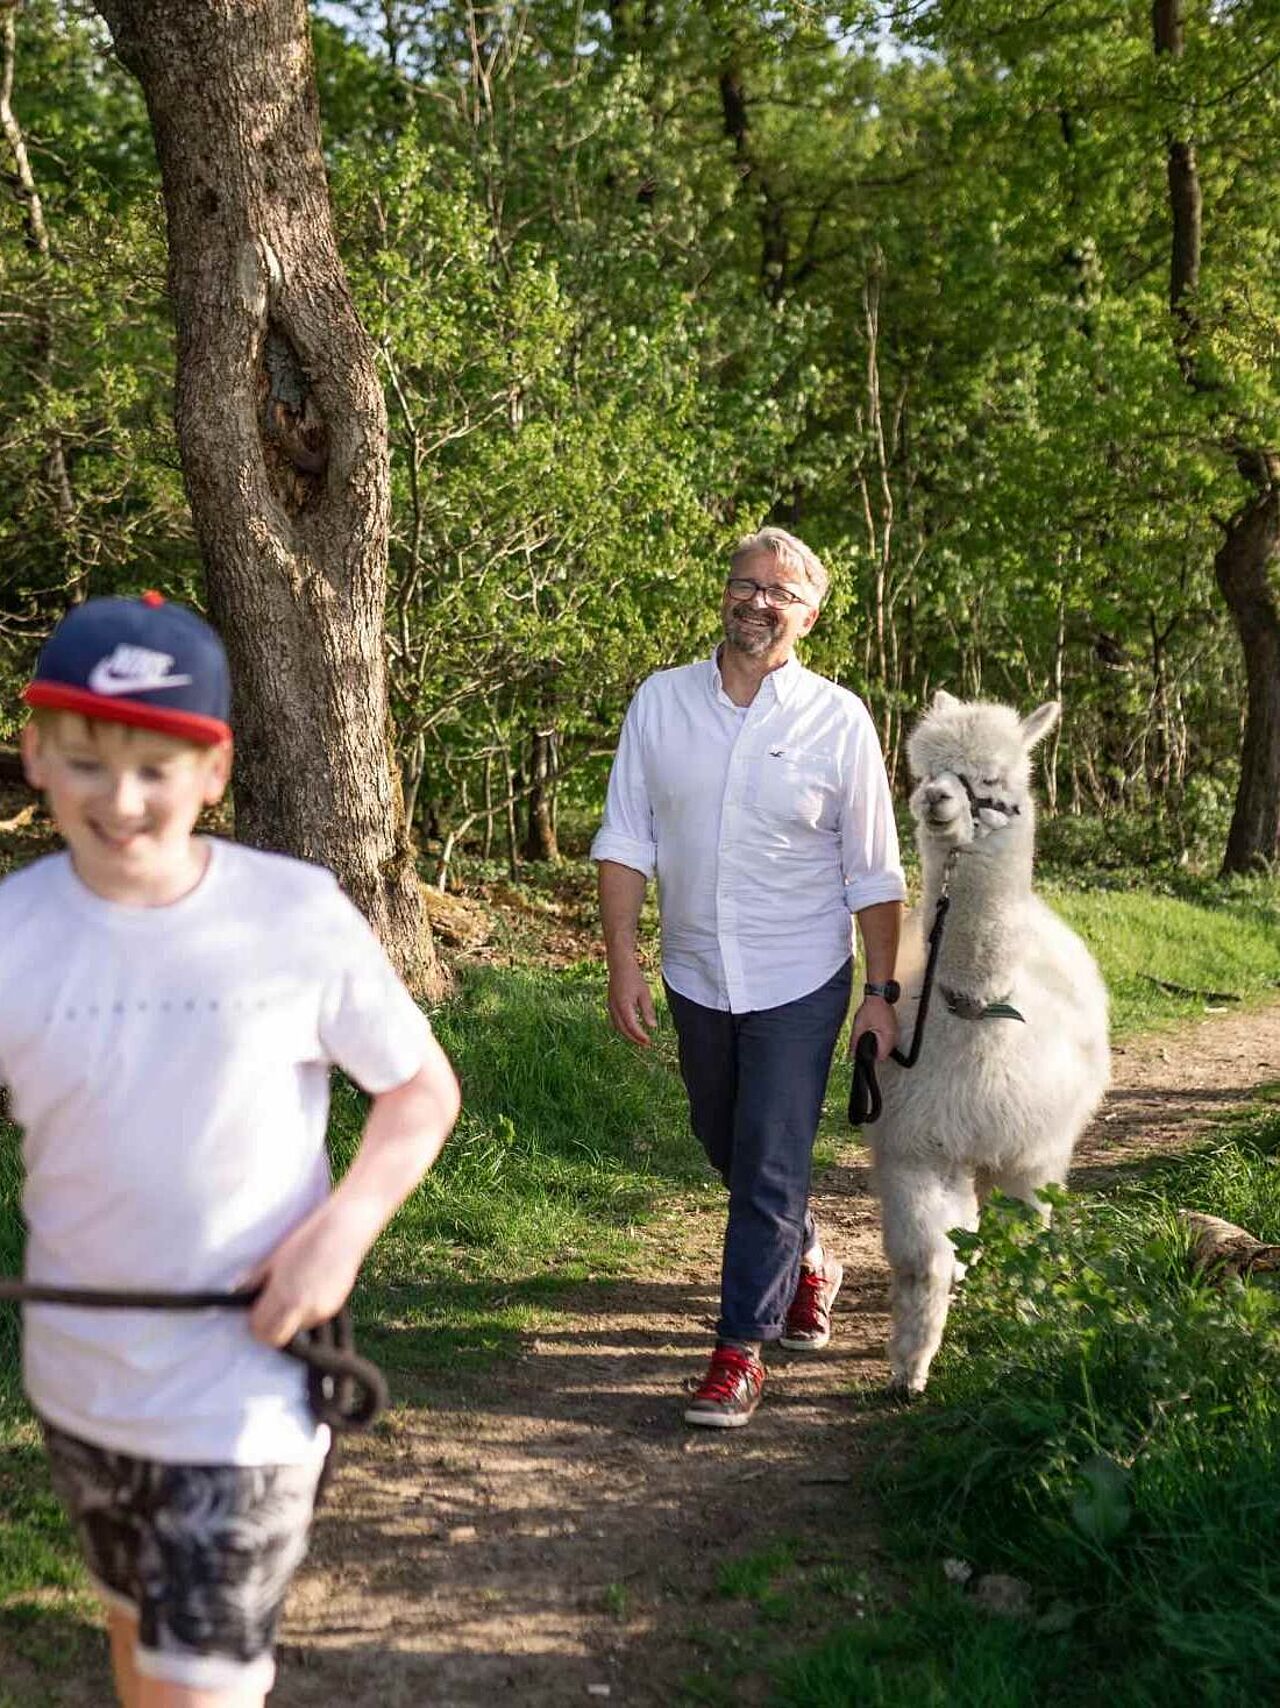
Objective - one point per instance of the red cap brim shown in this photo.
(187, 726)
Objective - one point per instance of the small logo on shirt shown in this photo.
(134, 670)
(777, 752)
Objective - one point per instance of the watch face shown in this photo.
(890, 990)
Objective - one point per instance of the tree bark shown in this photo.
(1247, 561)
(775, 239)
(1221, 1248)
(1245, 568)
(540, 835)
(283, 435)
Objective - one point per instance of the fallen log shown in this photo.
(1221, 1248)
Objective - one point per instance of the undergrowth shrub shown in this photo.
(1105, 1424)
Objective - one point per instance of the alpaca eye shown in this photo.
(988, 782)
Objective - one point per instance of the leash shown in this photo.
(344, 1390)
(865, 1101)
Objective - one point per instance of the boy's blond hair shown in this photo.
(52, 720)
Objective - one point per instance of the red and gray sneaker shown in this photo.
(729, 1392)
(808, 1325)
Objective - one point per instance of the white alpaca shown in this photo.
(993, 1100)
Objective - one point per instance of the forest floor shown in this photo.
(543, 1528)
(549, 1531)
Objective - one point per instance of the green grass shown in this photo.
(1104, 1426)
(571, 1142)
(1220, 939)
(570, 1145)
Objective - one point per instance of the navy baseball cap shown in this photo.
(137, 661)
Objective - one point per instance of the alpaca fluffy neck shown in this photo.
(985, 931)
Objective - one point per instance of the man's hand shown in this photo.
(631, 1010)
(307, 1278)
(878, 1016)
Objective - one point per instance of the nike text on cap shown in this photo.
(137, 661)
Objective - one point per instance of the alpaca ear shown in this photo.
(1040, 722)
(942, 701)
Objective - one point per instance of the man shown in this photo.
(757, 793)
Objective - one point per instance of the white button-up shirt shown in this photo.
(768, 826)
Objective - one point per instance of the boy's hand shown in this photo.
(308, 1276)
(307, 1279)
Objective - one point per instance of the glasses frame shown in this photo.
(776, 598)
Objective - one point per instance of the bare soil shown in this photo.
(550, 1532)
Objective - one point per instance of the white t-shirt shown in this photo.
(170, 1069)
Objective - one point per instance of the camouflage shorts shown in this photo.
(201, 1555)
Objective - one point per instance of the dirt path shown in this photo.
(549, 1533)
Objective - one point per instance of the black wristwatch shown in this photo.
(890, 990)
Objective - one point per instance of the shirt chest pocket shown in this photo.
(797, 788)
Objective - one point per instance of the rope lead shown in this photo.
(344, 1390)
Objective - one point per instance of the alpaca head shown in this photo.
(972, 766)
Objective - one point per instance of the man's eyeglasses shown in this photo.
(777, 598)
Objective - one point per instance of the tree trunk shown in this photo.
(1221, 1248)
(1245, 567)
(283, 436)
(540, 835)
(513, 851)
(775, 239)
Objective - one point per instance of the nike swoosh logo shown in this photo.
(104, 680)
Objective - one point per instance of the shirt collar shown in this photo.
(782, 681)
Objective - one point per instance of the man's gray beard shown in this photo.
(753, 642)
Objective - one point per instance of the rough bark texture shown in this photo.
(1246, 570)
(1219, 1247)
(1248, 560)
(775, 242)
(282, 429)
(540, 832)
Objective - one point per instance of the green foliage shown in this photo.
(91, 501)
(644, 277)
(1103, 1425)
(1166, 956)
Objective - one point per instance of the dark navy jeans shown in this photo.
(756, 1083)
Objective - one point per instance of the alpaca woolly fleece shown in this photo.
(993, 1100)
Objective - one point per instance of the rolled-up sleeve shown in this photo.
(868, 832)
(627, 834)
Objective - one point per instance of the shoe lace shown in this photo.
(806, 1307)
(728, 1367)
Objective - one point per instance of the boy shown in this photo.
(170, 1007)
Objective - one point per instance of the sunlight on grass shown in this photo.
(572, 1146)
(1105, 1426)
(1229, 945)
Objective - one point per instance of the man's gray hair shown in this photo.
(790, 552)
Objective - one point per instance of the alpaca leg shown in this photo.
(919, 1207)
(1025, 1184)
